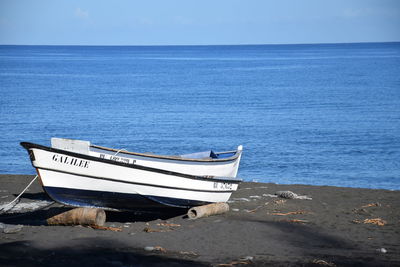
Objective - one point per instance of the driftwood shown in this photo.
(115, 229)
(208, 210)
(79, 216)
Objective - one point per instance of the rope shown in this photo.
(26, 188)
(119, 150)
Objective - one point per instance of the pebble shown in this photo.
(148, 248)
(382, 250)
(286, 194)
(291, 195)
(247, 258)
(235, 209)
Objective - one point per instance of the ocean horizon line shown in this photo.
(198, 45)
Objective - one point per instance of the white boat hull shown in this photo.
(82, 180)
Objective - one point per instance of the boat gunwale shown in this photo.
(28, 146)
(167, 157)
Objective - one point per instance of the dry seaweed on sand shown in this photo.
(324, 263)
(242, 261)
(290, 213)
(376, 221)
(165, 227)
(152, 230)
(98, 227)
(377, 204)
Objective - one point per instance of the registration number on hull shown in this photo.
(223, 186)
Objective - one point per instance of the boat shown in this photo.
(79, 179)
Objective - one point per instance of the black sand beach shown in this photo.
(338, 227)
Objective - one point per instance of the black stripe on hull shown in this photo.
(118, 201)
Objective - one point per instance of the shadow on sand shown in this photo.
(311, 242)
(88, 252)
(39, 216)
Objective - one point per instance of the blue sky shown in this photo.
(175, 22)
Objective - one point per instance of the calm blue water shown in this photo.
(309, 114)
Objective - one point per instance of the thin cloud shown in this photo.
(80, 13)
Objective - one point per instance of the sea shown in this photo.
(317, 114)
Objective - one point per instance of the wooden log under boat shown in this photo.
(208, 210)
(79, 216)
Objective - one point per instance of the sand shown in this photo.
(336, 227)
